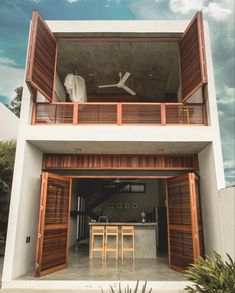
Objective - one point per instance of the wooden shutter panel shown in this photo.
(53, 225)
(42, 55)
(192, 58)
(185, 237)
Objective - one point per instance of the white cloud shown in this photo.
(212, 9)
(185, 6)
(227, 97)
(72, 1)
(229, 168)
(10, 77)
(216, 11)
(7, 61)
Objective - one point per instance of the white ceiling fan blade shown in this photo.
(125, 77)
(129, 90)
(107, 85)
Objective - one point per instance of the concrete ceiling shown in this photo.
(119, 147)
(153, 65)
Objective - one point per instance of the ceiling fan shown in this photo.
(121, 83)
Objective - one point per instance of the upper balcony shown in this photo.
(158, 114)
(166, 82)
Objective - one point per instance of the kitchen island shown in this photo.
(145, 239)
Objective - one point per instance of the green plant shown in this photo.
(212, 275)
(7, 157)
(127, 289)
(16, 102)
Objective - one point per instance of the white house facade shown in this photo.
(162, 130)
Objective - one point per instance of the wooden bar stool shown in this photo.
(130, 232)
(111, 231)
(97, 232)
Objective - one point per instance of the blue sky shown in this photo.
(15, 16)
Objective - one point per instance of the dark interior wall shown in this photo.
(73, 219)
(128, 206)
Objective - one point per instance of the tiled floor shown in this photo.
(82, 268)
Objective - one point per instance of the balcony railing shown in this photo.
(119, 114)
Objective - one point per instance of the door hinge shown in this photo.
(36, 266)
(39, 235)
(41, 208)
(196, 236)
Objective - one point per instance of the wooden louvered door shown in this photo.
(42, 58)
(185, 236)
(53, 226)
(193, 73)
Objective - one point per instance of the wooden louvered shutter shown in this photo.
(192, 58)
(185, 236)
(42, 55)
(53, 225)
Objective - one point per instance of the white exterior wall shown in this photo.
(9, 123)
(28, 158)
(23, 216)
(227, 210)
(210, 201)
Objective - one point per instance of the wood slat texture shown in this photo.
(185, 114)
(41, 57)
(192, 58)
(47, 113)
(119, 113)
(136, 162)
(116, 98)
(185, 236)
(97, 114)
(53, 227)
(137, 114)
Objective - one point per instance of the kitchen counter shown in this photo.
(145, 240)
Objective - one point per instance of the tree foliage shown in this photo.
(7, 157)
(212, 275)
(16, 102)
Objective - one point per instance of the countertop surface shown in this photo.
(122, 224)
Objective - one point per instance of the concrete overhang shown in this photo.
(108, 147)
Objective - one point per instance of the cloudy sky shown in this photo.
(15, 16)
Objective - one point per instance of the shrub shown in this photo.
(7, 157)
(212, 275)
(127, 289)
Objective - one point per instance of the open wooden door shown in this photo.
(53, 225)
(185, 235)
(192, 58)
(42, 58)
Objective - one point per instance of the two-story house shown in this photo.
(118, 118)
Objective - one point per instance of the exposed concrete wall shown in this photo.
(145, 202)
(210, 201)
(73, 220)
(227, 209)
(9, 124)
(19, 255)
